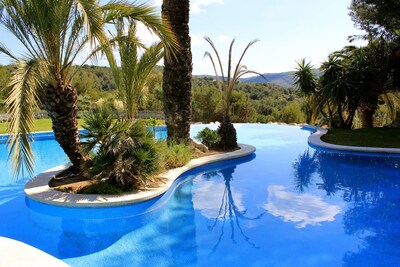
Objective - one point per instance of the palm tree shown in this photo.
(226, 85)
(54, 34)
(307, 83)
(340, 88)
(177, 76)
(131, 76)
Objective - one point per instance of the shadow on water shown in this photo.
(371, 187)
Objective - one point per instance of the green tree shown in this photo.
(131, 76)
(307, 83)
(292, 113)
(177, 76)
(377, 17)
(206, 107)
(54, 33)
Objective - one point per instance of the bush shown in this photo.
(126, 153)
(208, 137)
(227, 133)
(175, 155)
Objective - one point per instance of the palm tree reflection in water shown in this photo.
(370, 185)
(229, 212)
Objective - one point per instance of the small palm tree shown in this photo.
(307, 83)
(131, 76)
(54, 33)
(226, 85)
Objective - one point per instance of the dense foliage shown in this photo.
(125, 152)
(251, 102)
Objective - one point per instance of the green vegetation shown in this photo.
(54, 33)
(39, 125)
(126, 153)
(131, 76)
(226, 86)
(174, 155)
(369, 137)
(209, 138)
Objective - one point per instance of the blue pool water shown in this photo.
(286, 205)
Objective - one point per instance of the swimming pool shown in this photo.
(287, 205)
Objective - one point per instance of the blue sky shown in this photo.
(288, 31)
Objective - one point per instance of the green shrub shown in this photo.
(125, 152)
(227, 133)
(208, 137)
(175, 155)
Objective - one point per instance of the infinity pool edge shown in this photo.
(38, 188)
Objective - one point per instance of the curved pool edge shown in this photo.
(315, 141)
(38, 189)
(17, 253)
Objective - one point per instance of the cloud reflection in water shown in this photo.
(303, 210)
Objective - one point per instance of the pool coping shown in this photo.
(17, 253)
(38, 189)
(315, 140)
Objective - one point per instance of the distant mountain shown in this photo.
(284, 79)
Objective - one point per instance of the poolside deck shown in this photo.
(16, 253)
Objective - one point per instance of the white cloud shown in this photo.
(208, 197)
(197, 38)
(224, 38)
(196, 6)
(302, 210)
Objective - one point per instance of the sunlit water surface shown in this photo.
(286, 205)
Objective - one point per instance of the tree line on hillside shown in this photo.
(251, 102)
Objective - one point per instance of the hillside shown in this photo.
(284, 79)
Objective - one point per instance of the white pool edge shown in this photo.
(38, 189)
(16, 253)
(315, 140)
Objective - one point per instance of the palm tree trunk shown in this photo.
(367, 120)
(177, 76)
(368, 107)
(61, 105)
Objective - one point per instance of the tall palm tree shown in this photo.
(177, 76)
(131, 76)
(54, 33)
(226, 85)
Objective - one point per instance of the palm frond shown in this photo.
(21, 102)
(243, 53)
(148, 16)
(208, 39)
(5, 50)
(207, 54)
(230, 60)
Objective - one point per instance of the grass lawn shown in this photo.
(369, 137)
(40, 125)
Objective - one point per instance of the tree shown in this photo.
(306, 81)
(339, 88)
(54, 33)
(131, 76)
(226, 85)
(177, 76)
(377, 17)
